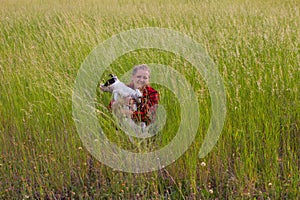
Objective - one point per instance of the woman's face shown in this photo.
(140, 79)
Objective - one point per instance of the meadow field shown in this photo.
(255, 47)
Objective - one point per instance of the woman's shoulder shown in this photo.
(150, 89)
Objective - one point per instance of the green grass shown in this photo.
(255, 46)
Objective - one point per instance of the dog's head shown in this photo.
(111, 81)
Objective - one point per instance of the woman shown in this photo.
(142, 113)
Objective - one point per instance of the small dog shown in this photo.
(119, 89)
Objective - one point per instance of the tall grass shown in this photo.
(255, 46)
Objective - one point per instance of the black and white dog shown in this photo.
(119, 89)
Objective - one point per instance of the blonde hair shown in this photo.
(140, 67)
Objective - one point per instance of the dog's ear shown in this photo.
(111, 75)
(110, 81)
(106, 84)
